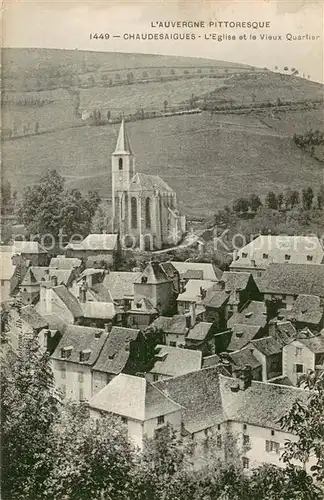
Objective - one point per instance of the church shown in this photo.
(144, 207)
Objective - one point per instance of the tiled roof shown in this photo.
(115, 352)
(255, 313)
(215, 298)
(55, 322)
(69, 300)
(192, 292)
(306, 309)
(210, 272)
(99, 310)
(29, 247)
(175, 361)
(282, 380)
(65, 263)
(32, 317)
(193, 274)
(209, 398)
(146, 182)
(100, 293)
(293, 279)
(153, 273)
(212, 360)
(143, 306)
(267, 346)
(119, 284)
(242, 335)
(284, 332)
(133, 397)
(96, 242)
(199, 331)
(244, 357)
(81, 338)
(315, 344)
(235, 280)
(176, 324)
(268, 249)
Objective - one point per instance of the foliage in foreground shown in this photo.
(54, 450)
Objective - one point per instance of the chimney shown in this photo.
(234, 254)
(108, 327)
(192, 309)
(54, 281)
(253, 262)
(83, 293)
(244, 377)
(182, 285)
(272, 328)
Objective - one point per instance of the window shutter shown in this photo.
(267, 445)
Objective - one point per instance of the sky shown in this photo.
(68, 24)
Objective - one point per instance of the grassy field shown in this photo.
(208, 160)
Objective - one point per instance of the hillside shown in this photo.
(210, 158)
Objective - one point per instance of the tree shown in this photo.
(307, 198)
(5, 195)
(295, 198)
(280, 200)
(320, 197)
(255, 202)
(102, 219)
(306, 420)
(271, 200)
(241, 205)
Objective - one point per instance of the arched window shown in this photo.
(134, 213)
(148, 213)
(120, 163)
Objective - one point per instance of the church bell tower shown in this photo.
(123, 169)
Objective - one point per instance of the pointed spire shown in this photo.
(123, 144)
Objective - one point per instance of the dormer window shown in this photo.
(287, 256)
(309, 258)
(265, 256)
(66, 352)
(120, 164)
(244, 255)
(85, 355)
(144, 279)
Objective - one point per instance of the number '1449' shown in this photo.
(99, 36)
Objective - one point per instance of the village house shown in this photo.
(253, 313)
(57, 299)
(303, 356)
(35, 276)
(215, 304)
(232, 416)
(61, 262)
(194, 292)
(285, 282)
(143, 408)
(106, 247)
(141, 314)
(268, 351)
(30, 251)
(174, 329)
(282, 330)
(7, 269)
(172, 362)
(256, 256)
(24, 322)
(307, 311)
(197, 270)
(241, 288)
(239, 336)
(86, 359)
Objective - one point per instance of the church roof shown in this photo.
(123, 143)
(146, 182)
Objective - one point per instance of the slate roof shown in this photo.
(268, 249)
(175, 361)
(235, 280)
(143, 306)
(192, 290)
(176, 324)
(210, 272)
(193, 274)
(133, 397)
(315, 344)
(255, 313)
(96, 242)
(123, 143)
(212, 360)
(81, 338)
(70, 301)
(306, 309)
(115, 352)
(242, 335)
(119, 284)
(65, 262)
(293, 279)
(99, 310)
(55, 322)
(267, 346)
(209, 398)
(38, 274)
(285, 332)
(29, 247)
(146, 182)
(32, 317)
(215, 298)
(199, 331)
(282, 380)
(153, 273)
(245, 357)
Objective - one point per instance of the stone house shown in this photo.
(106, 247)
(303, 356)
(172, 362)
